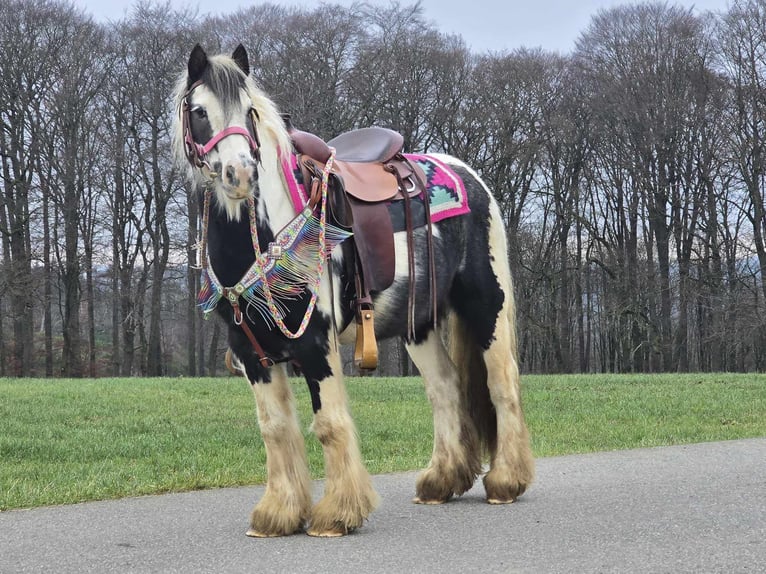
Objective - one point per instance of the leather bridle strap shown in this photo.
(203, 150)
(190, 146)
(263, 358)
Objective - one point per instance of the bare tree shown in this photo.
(566, 124)
(153, 42)
(404, 75)
(32, 35)
(742, 38)
(648, 63)
(70, 108)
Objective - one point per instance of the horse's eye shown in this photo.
(199, 111)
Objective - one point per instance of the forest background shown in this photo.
(630, 174)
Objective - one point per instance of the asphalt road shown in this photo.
(697, 508)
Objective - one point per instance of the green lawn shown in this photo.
(64, 441)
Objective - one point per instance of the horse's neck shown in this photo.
(274, 202)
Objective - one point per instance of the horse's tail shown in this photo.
(467, 357)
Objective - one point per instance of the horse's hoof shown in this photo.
(501, 501)
(255, 534)
(500, 490)
(334, 532)
(429, 501)
(252, 533)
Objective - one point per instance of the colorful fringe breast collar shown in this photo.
(291, 268)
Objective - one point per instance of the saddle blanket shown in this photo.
(446, 192)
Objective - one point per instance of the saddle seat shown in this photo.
(367, 145)
(365, 160)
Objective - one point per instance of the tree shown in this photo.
(742, 36)
(154, 41)
(70, 109)
(647, 63)
(31, 36)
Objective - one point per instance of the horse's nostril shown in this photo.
(231, 174)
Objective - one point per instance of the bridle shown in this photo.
(196, 153)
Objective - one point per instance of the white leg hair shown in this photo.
(455, 461)
(511, 465)
(286, 504)
(349, 497)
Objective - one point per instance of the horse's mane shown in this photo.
(225, 78)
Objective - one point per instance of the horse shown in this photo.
(234, 143)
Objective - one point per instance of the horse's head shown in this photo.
(226, 129)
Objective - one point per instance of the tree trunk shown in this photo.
(21, 304)
(3, 358)
(128, 313)
(154, 362)
(212, 356)
(563, 315)
(47, 287)
(662, 243)
(681, 345)
(72, 359)
(91, 302)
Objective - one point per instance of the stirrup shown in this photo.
(366, 349)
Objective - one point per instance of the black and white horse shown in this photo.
(235, 143)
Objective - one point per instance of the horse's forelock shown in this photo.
(224, 79)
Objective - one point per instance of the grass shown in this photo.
(65, 441)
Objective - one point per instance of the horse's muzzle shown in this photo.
(239, 178)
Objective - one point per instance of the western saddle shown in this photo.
(368, 172)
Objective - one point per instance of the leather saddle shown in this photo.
(371, 171)
(365, 159)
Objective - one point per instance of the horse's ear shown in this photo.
(240, 57)
(197, 64)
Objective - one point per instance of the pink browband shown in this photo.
(203, 150)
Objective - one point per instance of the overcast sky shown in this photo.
(495, 25)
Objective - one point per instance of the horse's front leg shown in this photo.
(349, 497)
(285, 506)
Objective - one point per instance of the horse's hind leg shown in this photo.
(286, 504)
(483, 346)
(349, 497)
(511, 465)
(455, 461)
